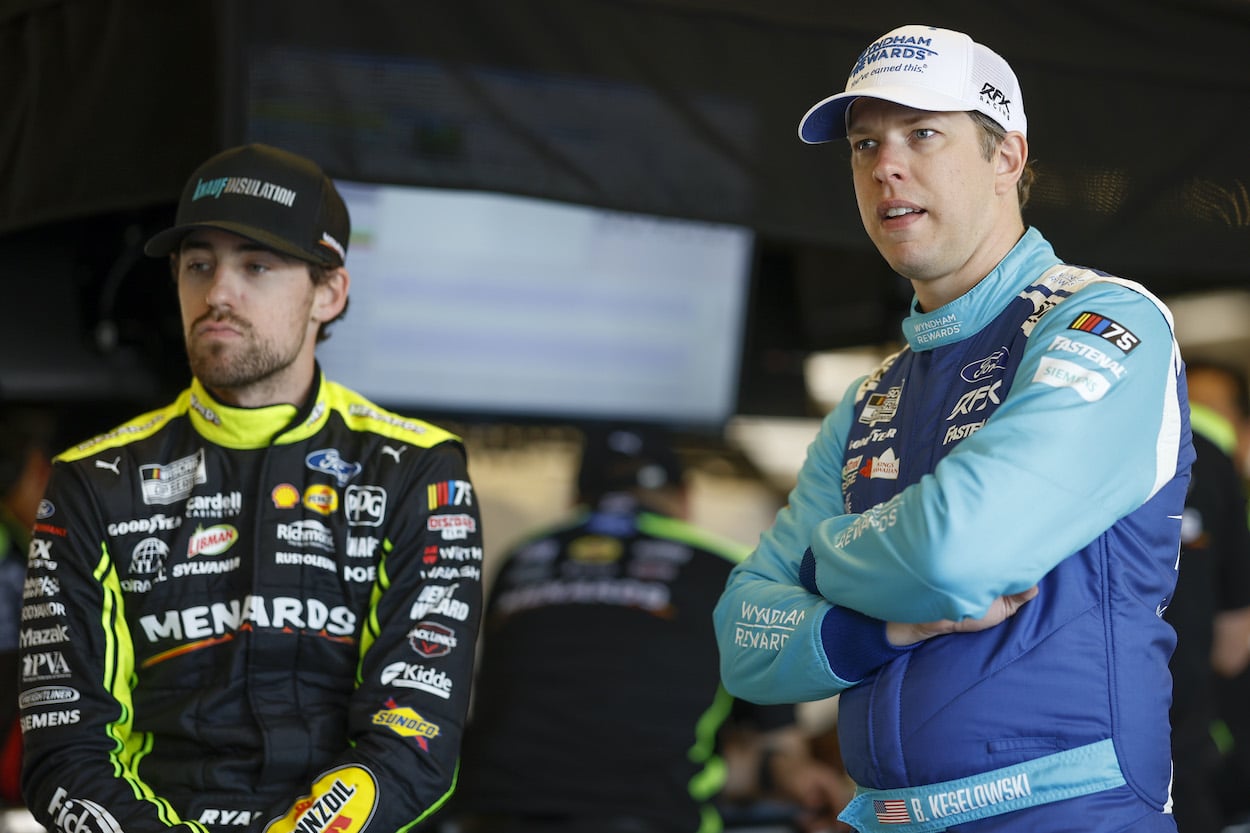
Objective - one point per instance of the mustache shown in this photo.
(221, 317)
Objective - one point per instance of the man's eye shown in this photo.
(863, 144)
(925, 132)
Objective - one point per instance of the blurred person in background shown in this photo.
(1210, 608)
(27, 435)
(598, 706)
(1219, 397)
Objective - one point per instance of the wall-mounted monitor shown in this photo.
(493, 306)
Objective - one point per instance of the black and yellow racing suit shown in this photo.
(251, 619)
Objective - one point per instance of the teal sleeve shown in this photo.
(1085, 435)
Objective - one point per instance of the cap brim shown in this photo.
(826, 120)
(165, 242)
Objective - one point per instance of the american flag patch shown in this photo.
(891, 811)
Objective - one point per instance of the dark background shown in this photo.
(1138, 117)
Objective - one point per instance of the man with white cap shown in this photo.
(984, 534)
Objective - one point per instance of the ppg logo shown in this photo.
(365, 505)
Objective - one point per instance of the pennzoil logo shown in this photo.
(405, 722)
(342, 800)
(321, 498)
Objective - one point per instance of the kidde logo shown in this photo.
(212, 541)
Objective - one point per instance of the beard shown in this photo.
(241, 365)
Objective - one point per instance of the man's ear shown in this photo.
(330, 296)
(1013, 154)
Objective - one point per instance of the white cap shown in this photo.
(926, 68)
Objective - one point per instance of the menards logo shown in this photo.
(212, 541)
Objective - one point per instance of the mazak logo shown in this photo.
(365, 505)
(982, 369)
(39, 637)
(328, 461)
(212, 541)
(432, 639)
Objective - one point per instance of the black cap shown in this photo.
(271, 196)
(619, 459)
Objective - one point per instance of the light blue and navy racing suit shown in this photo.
(1033, 431)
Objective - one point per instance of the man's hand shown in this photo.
(1004, 607)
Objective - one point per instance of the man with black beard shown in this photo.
(254, 608)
